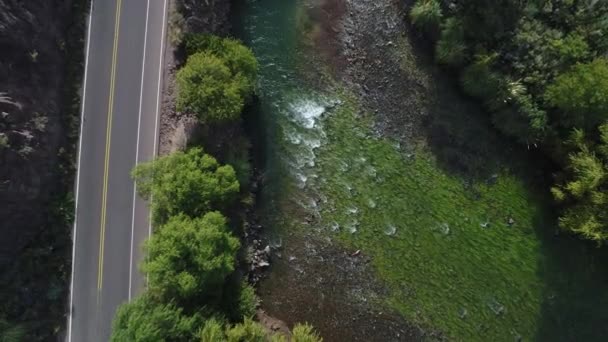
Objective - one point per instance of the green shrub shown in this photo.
(480, 81)
(238, 57)
(572, 48)
(248, 331)
(248, 301)
(176, 27)
(304, 333)
(239, 300)
(451, 48)
(426, 14)
(581, 94)
(213, 331)
(207, 87)
(188, 182)
(190, 259)
(238, 158)
(144, 320)
(585, 191)
(522, 120)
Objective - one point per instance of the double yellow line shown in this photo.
(104, 197)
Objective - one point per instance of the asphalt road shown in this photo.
(120, 109)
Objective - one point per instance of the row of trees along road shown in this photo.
(193, 292)
(540, 69)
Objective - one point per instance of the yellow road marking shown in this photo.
(107, 156)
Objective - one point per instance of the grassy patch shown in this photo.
(470, 256)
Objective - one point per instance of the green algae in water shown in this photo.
(476, 266)
(445, 246)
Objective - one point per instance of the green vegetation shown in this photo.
(146, 320)
(190, 258)
(176, 26)
(471, 254)
(250, 331)
(426, 13)
(539, 67)
(188, 182)
(10, 332)
(193, 291)
(304, 333)
(581, 95)
(192, 254)
(239, 58)
(207, 88)
(217, 79)
(586, 187)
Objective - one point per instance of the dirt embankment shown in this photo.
(41, 57)
(178, 129)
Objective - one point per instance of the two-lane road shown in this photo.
(120, 108)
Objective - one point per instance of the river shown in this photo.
(377, 238)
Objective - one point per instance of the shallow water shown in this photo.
(362, 228)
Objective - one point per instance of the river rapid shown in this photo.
(393, 209)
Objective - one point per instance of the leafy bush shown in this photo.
(426, 14)
(524, 121)
(218, 78)
(572, 48)
(176, 27)
(190, 258)
(586, 187)
(248, 331)
(581, 95)
(451, 48)
(489, 21)
(213, 331)
(305, 333)
(248, 301)
(478, 80)
(144, 320)
(238, 57)
(208, 88)
(239, 300)
(189, 182)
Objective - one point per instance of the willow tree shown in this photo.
(189, 259)
(190, 182)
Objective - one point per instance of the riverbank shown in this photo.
(395, 210)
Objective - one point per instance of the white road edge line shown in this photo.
(84, 96)
(158, 96)
(141, 95)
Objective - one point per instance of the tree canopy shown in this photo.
(144, 320)
(238, 57)
(581, 95)
(208, 89)
(250, 331)
(188, 182)
(540, 70)
(190, 258)
(218, 78)
(585, 188)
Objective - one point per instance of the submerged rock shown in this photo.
(390, 230)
